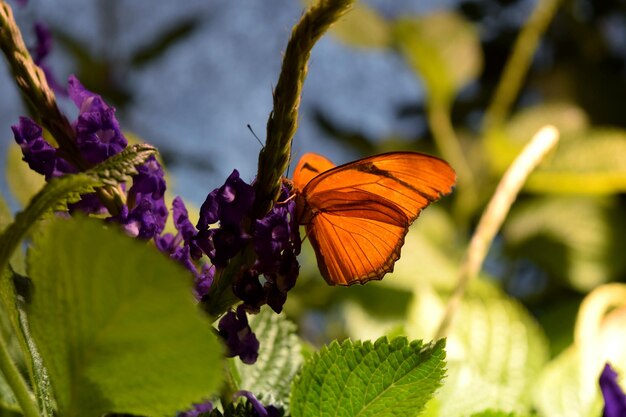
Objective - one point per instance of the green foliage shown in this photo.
(495, 350)
(369, 379)
(126, 336)
(279, 359)
(443, 49)
(578, 240)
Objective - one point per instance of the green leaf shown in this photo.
(369, 379)
(587, 160)
(443, 49)
(590, 162)
(61, 191)
(116, 324)
(363, 27)
(578, 240)
(280, 357)
(502, 146)
(559, 391)
(495, 350)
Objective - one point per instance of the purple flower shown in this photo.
(44, 42)
(197, 410)
(248, 288)
(260, 409)
(240, 341)
(38, 153)
(614, 397)
(98, 134)
(229, 204)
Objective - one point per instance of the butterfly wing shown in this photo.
(309, 167)
(358, 214)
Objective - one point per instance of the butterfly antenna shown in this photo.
(254, 134)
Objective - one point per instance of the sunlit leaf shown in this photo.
(443, 49)
(369, 379)
(579, 240)
(559, 391)
(495, 350)
(117, 336)
(503, 145)
(591, 162)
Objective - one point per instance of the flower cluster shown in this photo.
(225, 227)
(98, 137)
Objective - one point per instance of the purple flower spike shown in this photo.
(235, 199)
(248, 289)
(614, 397)
(98, 133)
(38, 153)
(228, 204)
(240, 340)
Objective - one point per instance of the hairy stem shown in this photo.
(40, 98)
(17, 383)
(283, 120)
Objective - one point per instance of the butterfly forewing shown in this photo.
(408, 179)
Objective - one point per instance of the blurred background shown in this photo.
(470, 81)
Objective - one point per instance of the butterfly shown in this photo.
(357, 214)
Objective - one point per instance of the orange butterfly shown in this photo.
(357, 214)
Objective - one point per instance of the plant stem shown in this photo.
(518, 63)
(16, 382)
(40, 98)
(494, 215)
(283, 120)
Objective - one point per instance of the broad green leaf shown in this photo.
(587, 160)
(363, 27)
(579, 240)
(23, 181)
(502, 146)
(443, 49)
(591, 162)
(495, 350)
(279, 359)
(369, 379)
(116, 324)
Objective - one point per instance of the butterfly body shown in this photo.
(358, 214)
